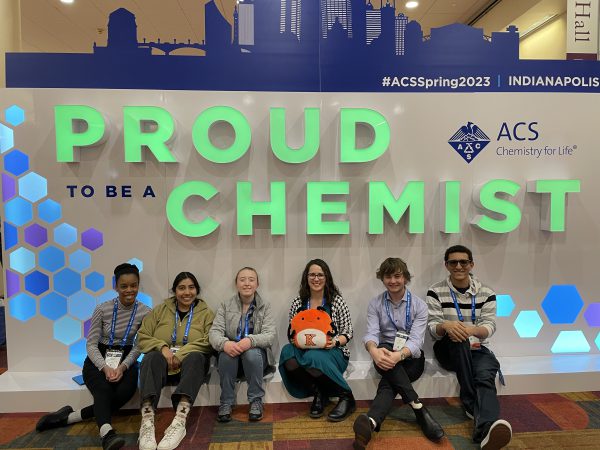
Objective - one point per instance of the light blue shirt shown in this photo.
(380, 329)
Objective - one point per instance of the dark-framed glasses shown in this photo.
(456, 262)
(316, 275)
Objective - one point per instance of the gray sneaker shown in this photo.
(256, 411)
(224, 413)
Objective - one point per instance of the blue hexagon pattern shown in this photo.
(36, 282)
(67, 282)
(11, 236)
(77, 352)
(597, 341)
(106, 296)
(7, 138)
(22, 307)
(49, 211)
(53, 306)
(65, 234)
(94, 281)
(22, 260)
(16, 162)
(504, 305)
(18, 211)
(571, 342)
(51, 259)
(562, 304)
(528, 324)
(145, 299)
(33, 187)
(67, 297)
(80, 260)
(138, 263)
(81, 305)
(36, 235)
(67, 330)
(14, 115)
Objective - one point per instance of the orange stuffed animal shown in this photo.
(311, 328)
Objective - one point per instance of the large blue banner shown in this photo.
(306, 46)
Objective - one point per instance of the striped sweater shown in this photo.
(100, 330)
(441, 306)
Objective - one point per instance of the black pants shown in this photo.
(476, 372)
(154, 376)
(395, 381)
(108, 397)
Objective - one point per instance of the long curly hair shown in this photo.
(330, 291)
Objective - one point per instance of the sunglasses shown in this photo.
(456, 262)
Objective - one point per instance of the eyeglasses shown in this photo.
(456, 262)
(316, 275)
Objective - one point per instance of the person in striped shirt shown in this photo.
(110, 370)
(462, 317)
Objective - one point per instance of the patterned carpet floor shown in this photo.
(548, 421)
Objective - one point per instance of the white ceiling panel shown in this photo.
(455, 6)
(414, 13)
(434, 20)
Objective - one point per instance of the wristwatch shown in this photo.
(337, 341)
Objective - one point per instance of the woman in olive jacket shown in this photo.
(174, 340)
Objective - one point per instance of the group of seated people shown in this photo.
(179, 336)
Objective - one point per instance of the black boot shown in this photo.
(111, 441)
(346, 405)
(363, 429)
(55, 419)
(317, 407)
(431, 429)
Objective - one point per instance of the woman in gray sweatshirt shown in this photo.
(243, 332)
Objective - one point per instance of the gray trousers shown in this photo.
(254, 363)
(154, 376)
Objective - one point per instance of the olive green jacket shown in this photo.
(157, 329)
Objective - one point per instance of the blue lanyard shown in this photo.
(460, 316)
(308, 303)
(407, 322)
(248, 314)
(113, 324)
(187, 327)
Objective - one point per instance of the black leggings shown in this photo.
(108, 397)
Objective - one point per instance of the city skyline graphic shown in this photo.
(290, 45)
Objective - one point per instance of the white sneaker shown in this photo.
(146, 440)
(174, 434)
(498, 436)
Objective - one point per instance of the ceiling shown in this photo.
(51, 26)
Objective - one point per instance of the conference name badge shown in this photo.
(113, 358)
(401, 338)
(475, 343)
(174, 349)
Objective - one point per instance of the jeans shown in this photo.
(253, 365)
(476, 373)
